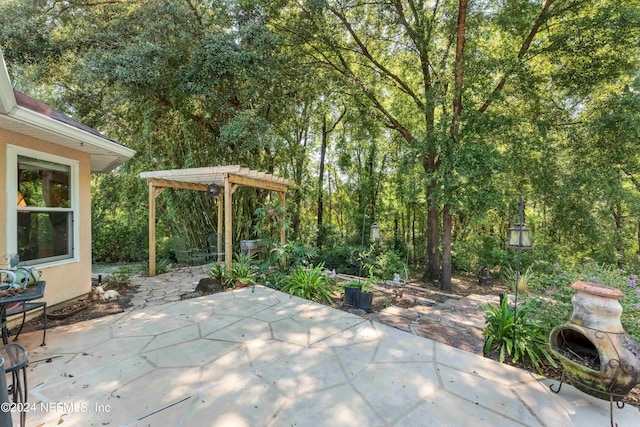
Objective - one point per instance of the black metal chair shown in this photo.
(216, 247)
(16, 359)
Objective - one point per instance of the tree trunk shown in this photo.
(617, 216)
(446, 249)
(432, 270)
(447, 222)
(323, 150)
(413, 234)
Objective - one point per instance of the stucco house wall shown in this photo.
(32, 133)
(65, 279)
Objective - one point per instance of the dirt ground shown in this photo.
(81, 310)
(463, 285)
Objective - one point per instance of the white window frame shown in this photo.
(12, 207)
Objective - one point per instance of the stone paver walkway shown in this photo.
(457, 322)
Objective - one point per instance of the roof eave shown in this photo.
(78, 139)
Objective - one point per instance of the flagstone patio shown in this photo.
(258, 357)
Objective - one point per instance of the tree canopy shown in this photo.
(430, 117)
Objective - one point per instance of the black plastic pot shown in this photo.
(365, 301)
(351, 296)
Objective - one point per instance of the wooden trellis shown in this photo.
(225, 178)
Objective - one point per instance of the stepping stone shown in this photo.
(466, 338)
(398, 317)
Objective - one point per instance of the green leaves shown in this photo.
(518, 337)
(243, 270)
(309, 283)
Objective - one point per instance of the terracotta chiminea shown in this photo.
(597, 355)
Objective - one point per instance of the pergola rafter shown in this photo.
(229, 178)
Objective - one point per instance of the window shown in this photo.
(42, 218)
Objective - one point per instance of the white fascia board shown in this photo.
(53, 126)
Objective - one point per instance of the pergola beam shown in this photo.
(247, 181)
(168, 183)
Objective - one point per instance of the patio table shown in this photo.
(20, 304)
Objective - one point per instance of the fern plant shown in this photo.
(309, 283)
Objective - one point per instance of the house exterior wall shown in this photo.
(65, 279)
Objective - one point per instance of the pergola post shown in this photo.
(152, 230)
(220, 229)
(228, 224)
(154, 192)
(283, 233)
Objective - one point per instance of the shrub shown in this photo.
(344, 259)
(216, 272)
(122, 276)
(291, 254)
(388, 264)
(524, 278)
(310, 283)
(485, 250)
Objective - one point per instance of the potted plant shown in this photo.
(365, 299)
(243, 273)
(352, 293)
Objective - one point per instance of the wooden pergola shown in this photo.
(225, 178)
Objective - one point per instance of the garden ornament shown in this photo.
(26, 276)
(9, 278)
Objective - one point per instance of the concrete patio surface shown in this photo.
(258, 357)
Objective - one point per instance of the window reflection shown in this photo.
(44, 214)
(43, 184)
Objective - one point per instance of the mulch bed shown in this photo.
(81, 310)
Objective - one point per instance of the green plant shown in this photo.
(271, 219)
(342, 258)
(310, 283)
(353, 284)
(367, 285)
(524, 278)
(499, 329)
(122, 276)
(216, 272)
(291, 254)
(388, 264)
(243, 270)
(515, 336)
